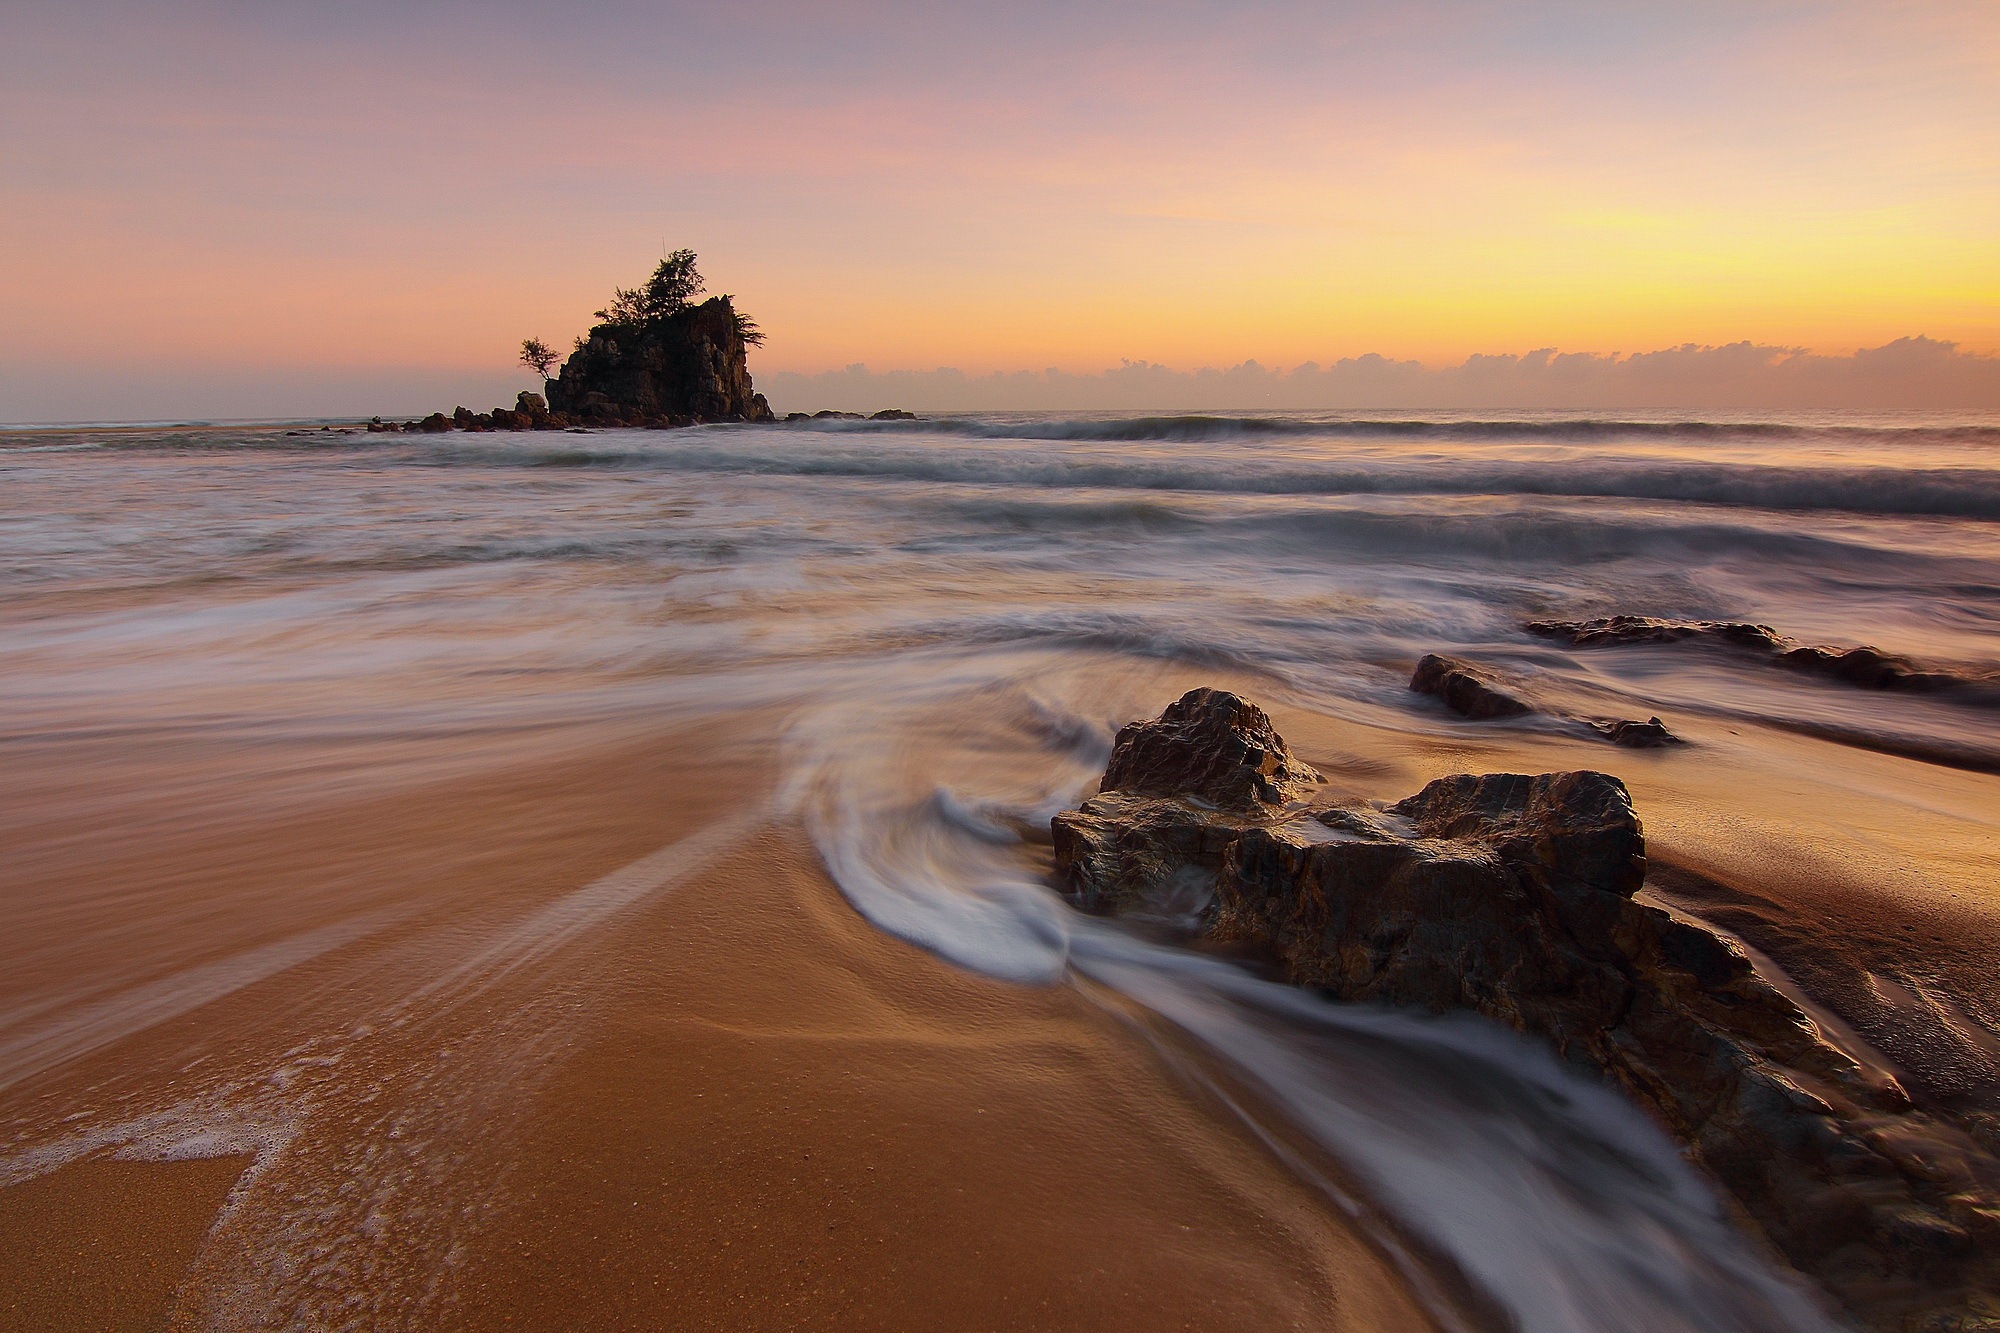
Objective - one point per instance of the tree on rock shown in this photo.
(671, 290)
(538, 356)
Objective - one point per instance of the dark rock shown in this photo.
(435, 423)
(692, 365)
(1513, 895)
(1465, 689)
(531, 406)
(461, 417)
(894, 414)
(1212, 745)
(1866, 667)
(830, 415)
(1609, 630)
(1870, 668)
(1648, 735)
(798, 416)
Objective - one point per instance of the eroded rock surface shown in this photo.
(1209, 744)
(1513, 895)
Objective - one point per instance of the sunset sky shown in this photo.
(253, 208)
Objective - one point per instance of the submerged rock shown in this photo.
(1513, 895)
(1470, 691)
(1608, 630)
(1465, 688)
(1869, 668)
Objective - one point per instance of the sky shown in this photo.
(288, 208)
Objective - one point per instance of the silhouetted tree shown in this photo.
(537, 356)
(671, 289)
(746, 328)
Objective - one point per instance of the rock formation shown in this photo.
(1869, 668)
(1513, 895)
(684, 367)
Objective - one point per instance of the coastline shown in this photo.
(360, 800)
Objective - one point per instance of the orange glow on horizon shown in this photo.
(1822, 186)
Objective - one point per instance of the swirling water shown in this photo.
(955, 615)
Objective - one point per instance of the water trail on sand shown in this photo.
(1554, 1199)
(368, 1173)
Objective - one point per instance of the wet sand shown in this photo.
(727, 1102)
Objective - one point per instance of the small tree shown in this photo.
(671, 289)
(538, 356)
(747, 330)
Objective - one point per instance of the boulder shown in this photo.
(1515, 896)
(1465, 689)
(1211, 745)
(893, 414)
(828, 414)
(435, 423)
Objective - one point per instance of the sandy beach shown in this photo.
(725, 1102)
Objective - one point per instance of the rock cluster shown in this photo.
(528, 413)
(887, 414)
(1513, 895)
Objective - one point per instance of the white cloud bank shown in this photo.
(1909, 373)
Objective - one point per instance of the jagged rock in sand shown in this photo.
(1513, 895)
(1465, 689)
(1869, 668)
(688, 366)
